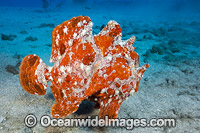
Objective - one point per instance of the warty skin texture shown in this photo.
(102, 68)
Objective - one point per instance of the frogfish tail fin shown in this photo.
(34, 75)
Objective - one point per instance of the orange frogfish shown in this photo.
(102, 68)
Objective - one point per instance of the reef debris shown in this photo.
(10, 37)
(102, 68)
(12, 69)
(23, 32)
(30, 38)
(43, 25)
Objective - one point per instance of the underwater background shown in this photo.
(167, 37)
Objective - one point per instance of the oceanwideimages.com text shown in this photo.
(46, 121)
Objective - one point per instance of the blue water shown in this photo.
(167, 37)
(136, 18)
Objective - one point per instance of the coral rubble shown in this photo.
(30, 38)
(101, 68)
(10, 37)
(11, 69)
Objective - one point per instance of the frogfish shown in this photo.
(101, 68)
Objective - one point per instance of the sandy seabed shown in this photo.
(170, 88)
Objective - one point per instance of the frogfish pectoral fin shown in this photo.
(63, 109)
(109, 107)
(140, 72)
(33, 75)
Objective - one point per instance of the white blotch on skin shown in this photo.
(109, 100)
(57, 39)
(116, 92)
(69, 69)
(70, 42)
(62, 68)
(65, 30)
(75, 83)
(109, 57)
(82, 66)
(132, 92)
(84, 21)
(74, 35)
(59, 80)
(79, 24)
(105, 76)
